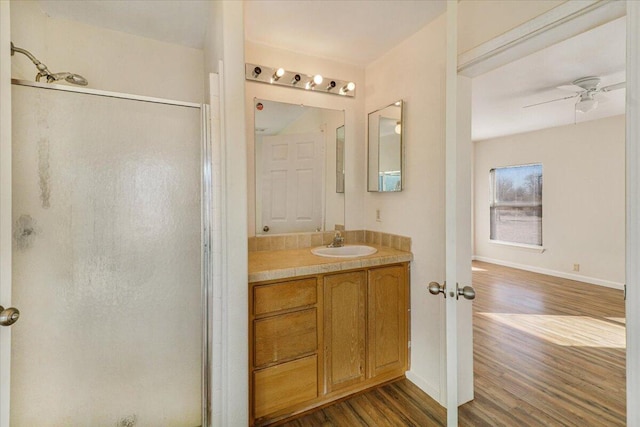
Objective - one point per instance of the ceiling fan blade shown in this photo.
(571, 88)
(553, 100)
(609, 88)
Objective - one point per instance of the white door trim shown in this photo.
(451, 209)
(5, 206)
(598, 13)
(633, 213)
(560, 23)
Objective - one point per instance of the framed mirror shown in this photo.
(385, 149)
(297, 158)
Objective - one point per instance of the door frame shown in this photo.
(632, 286)
(5, 206)
(562, 22)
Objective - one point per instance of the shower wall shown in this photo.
(110, 60)
(106, 261)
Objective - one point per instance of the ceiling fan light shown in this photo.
(586, 105)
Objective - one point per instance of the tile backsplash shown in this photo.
(309, 240)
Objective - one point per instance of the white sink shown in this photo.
(349, 251)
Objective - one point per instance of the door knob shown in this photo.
(436, 288)
(265, 228)
(8, 316)
(467, 292)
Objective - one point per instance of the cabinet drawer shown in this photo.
(285, 337)
(285, 385)
(284, 296)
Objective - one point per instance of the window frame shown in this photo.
(493, 204)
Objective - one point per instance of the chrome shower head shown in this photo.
(43, 71)
(75, 79)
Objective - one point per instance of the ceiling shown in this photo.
(499, 95)
(355, 32)
(179, 22)
(358, 32)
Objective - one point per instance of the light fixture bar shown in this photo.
(295, 79)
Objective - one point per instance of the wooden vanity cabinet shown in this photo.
(318, 339)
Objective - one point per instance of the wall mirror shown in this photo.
(297, 158)
(385, 149)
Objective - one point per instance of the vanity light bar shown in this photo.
(282, 77)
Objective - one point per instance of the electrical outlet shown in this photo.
(378, 215)
(576, 267)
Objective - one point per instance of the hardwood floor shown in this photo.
(396, 404)
(547, 352)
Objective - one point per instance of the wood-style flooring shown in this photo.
(547, 352)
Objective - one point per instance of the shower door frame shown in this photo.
(206, 236)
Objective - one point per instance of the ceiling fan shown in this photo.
(585, 89)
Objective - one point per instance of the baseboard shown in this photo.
(423, 385)
(570, 276)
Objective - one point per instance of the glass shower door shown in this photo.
(107, 248)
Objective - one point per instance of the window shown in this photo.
(516, 204)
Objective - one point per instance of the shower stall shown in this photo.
(111, 265)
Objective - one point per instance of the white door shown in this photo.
(292, 176)
(106, 262)
(457, 289)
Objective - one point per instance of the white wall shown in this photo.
(414, 71)
(583, 197)
(233, 234)
(109, 60)
(353, 114)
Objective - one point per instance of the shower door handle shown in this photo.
(8, 316)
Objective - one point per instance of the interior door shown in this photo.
(292, 176)
(106, 261)
(457, 288)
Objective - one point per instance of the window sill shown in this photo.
(530, 248)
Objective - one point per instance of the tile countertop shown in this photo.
(273, 265)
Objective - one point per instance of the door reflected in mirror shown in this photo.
(385, 149)
(297, 158)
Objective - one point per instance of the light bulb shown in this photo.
(317, 79)
(348, 87)
(279, 73)
(586, 105)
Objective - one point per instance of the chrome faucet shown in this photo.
(338, 241)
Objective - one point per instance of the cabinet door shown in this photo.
(387, 321)
(344, 329)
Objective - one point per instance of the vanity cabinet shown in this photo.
(321, 338)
